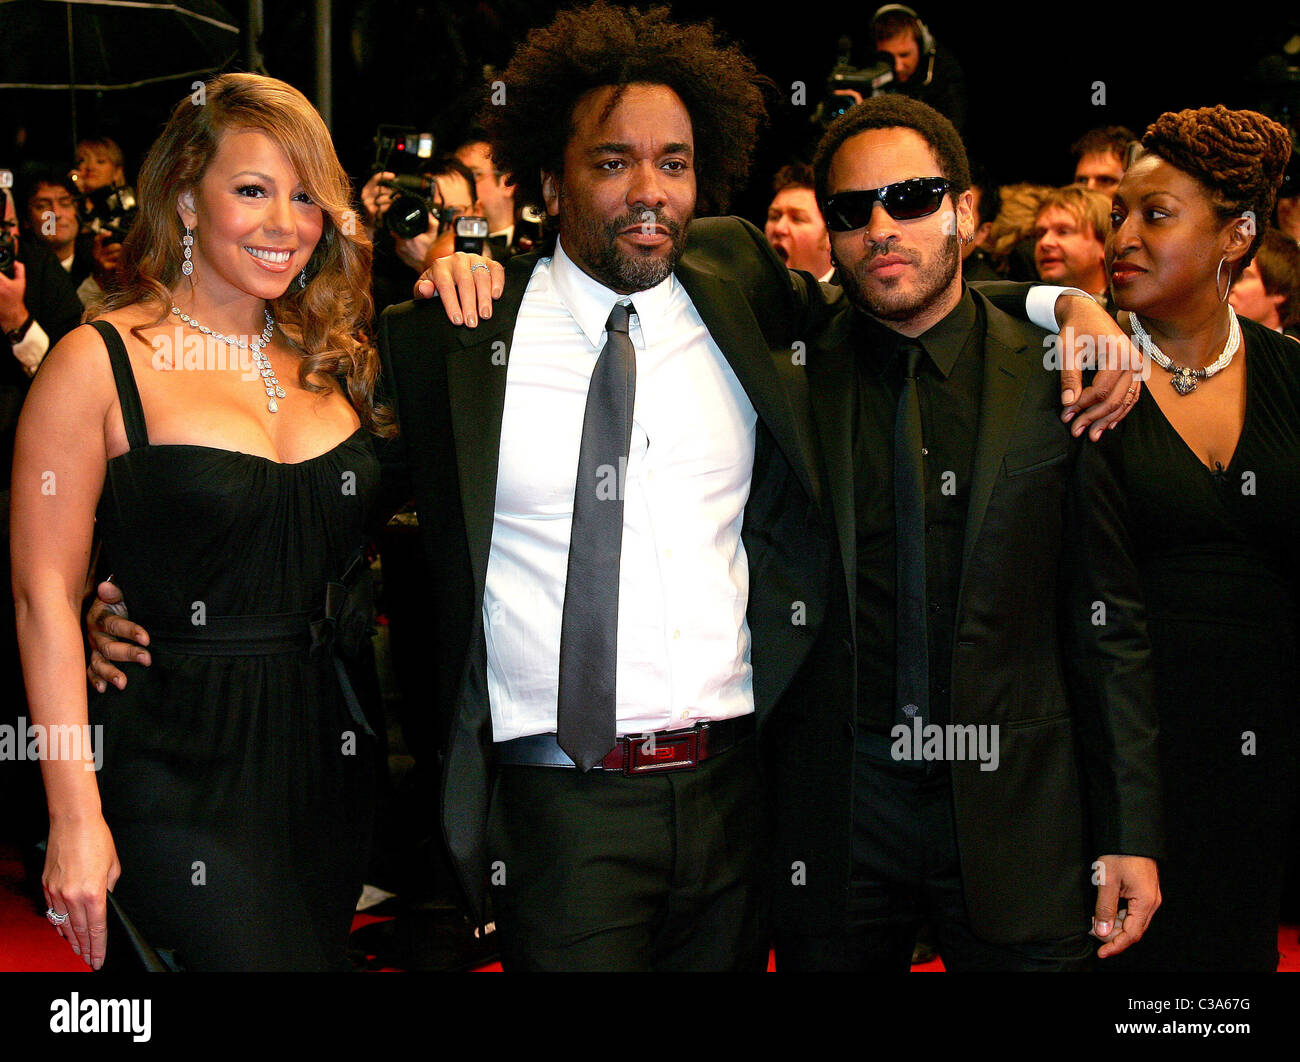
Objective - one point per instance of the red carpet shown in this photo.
(27, 943)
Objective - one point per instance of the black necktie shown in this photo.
(912, 662)
(589, 628)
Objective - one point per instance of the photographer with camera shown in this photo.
(427, 215)
(509, 234)
(107, 206)
(38, 306)
(923, 68)
(902, 57)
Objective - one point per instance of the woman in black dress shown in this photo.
(214, 422)
(1211, 458)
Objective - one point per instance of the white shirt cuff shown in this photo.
(1040, 304)
(32, 349)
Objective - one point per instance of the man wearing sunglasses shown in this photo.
(985, 753)
(648, 857)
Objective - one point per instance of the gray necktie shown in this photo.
(589, 628)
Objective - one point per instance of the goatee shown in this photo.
(887, 301)
(623, 271)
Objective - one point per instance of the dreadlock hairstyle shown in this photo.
(599, 45)
(1238, 156)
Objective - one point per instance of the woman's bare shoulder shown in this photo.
(136, 315)
(78, 366)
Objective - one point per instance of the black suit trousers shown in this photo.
(605, 872)
(907, 870)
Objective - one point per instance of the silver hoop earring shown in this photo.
(1217, 272)
(302, 279)
(187, 245)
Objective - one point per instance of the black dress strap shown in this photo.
(128, 395)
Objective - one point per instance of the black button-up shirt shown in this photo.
(949, 382)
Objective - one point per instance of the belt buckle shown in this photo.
(667, 752)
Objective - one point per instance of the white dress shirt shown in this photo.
(683, 639)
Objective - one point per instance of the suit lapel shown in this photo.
(476, 386)
(830, 382)
(1006, 374)
(726, 313)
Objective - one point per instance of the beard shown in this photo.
(596, 244)
(886, 298)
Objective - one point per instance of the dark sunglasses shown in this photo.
(903, 201)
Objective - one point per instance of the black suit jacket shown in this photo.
(1067, 685)
(448, 385)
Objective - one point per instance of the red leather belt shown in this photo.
(663, 750)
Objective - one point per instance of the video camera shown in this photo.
(869, 80)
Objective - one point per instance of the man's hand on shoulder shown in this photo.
(466, 284)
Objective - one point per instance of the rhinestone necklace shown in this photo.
(263, 363)
(1184, 379)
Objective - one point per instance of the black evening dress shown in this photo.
(236, 780)
(1217, 552)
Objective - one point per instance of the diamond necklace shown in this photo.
(263, 363)
(1184, 379)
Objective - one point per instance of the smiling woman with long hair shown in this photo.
(1211, 458)
(213, 422)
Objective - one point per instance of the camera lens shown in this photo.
(408, 216)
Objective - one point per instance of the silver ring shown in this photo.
(55, 918)
(478, 265)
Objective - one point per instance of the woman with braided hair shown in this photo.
(1210, 457)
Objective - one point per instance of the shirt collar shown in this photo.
(942, 342)
(945, 340)
(589, 301)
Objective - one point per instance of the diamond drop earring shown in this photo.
(302, 279)
(187, 243)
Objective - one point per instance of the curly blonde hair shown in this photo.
(1018, 216)
(326, 321)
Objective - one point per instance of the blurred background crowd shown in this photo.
(1047, 102)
